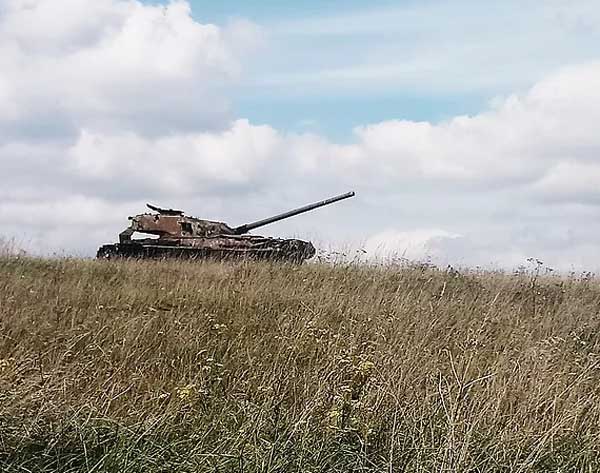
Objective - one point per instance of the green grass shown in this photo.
(203, 367)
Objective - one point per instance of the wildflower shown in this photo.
(334, 416)
(219, 328)
(365, 368)
(186, 392)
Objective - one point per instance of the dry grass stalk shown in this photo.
(179, 366)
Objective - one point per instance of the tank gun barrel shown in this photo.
(259, 223)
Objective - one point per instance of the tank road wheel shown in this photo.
(121, 250)
(107, 252)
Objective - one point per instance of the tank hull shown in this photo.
(224, 247)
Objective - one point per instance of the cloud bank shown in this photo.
(123, 103)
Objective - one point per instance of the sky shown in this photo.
(467, 129)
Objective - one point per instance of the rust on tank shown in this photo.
(183, 236)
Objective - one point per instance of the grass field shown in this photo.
(190, 367)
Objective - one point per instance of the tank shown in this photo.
(179, 236)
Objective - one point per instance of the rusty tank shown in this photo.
(179, 236)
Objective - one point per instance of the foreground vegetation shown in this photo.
(188, 367)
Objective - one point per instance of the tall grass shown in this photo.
(193, 367)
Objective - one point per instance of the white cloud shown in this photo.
(571, 181)
(519, 139)
(115, 64)
(177, 164)
(419, 245)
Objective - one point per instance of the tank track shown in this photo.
(277, 250)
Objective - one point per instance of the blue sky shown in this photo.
(330, 66)
(267, 11)
(307, 108)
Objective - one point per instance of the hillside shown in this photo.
(193, 367)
